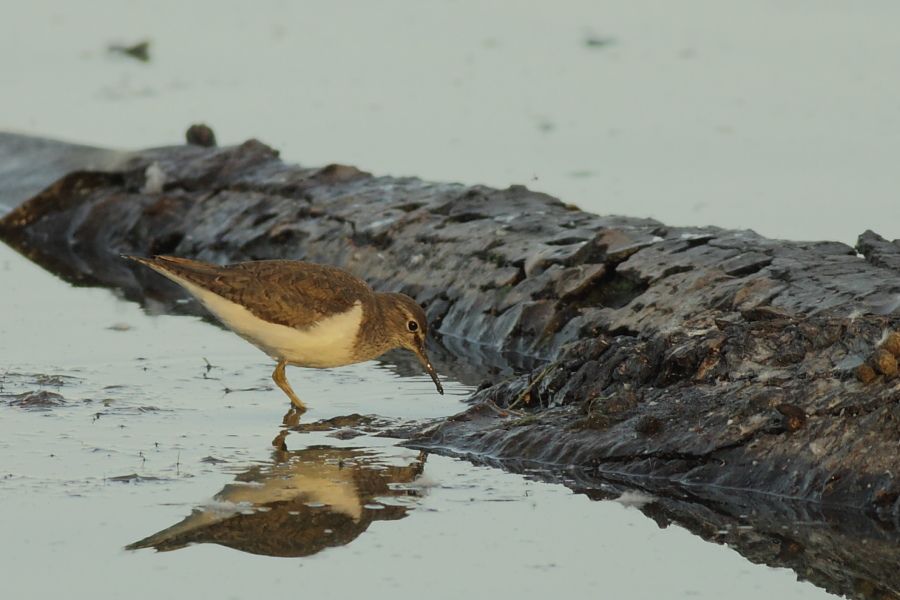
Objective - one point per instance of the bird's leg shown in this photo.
(279, 378)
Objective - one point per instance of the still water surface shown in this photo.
(148, 440)
(780, 117)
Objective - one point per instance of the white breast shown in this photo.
(329, 343)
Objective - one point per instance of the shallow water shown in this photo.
(147, 438)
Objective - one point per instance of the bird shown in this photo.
(302, 313)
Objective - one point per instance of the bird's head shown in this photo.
(408, 328)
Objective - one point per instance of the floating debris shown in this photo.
(260, 388)
(545, 125)
(133, 478)
(51, 380)
(345, 434)
(343, 422)
(139, 51)
(598, 41)
(634, 499)
(200, 134)
(37, 400)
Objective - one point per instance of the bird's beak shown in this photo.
(429, 368)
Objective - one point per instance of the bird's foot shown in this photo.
(292, 416)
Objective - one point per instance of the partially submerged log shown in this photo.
(721, 371)
(701, 355)
(29, 164)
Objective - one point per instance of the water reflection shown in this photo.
(304, 502)
(846, 552)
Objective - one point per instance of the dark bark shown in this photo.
(694, 356)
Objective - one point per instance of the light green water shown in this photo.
(778, 117)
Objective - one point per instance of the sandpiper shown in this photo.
(302, 314)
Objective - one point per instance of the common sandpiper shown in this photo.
(302, 314)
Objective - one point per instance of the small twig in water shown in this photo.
(503, 412)
(262, 388)
(531, 384)
(209, 367)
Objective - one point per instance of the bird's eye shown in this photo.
(412, 326)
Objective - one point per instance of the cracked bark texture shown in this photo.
(717, 370)
(699, 355)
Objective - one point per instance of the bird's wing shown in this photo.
(288, 292)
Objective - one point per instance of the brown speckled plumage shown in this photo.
(301, 295)
(287, 292)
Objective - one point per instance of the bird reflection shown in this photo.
(304, 502)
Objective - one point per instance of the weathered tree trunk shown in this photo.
(700, 364)
(700, 355)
